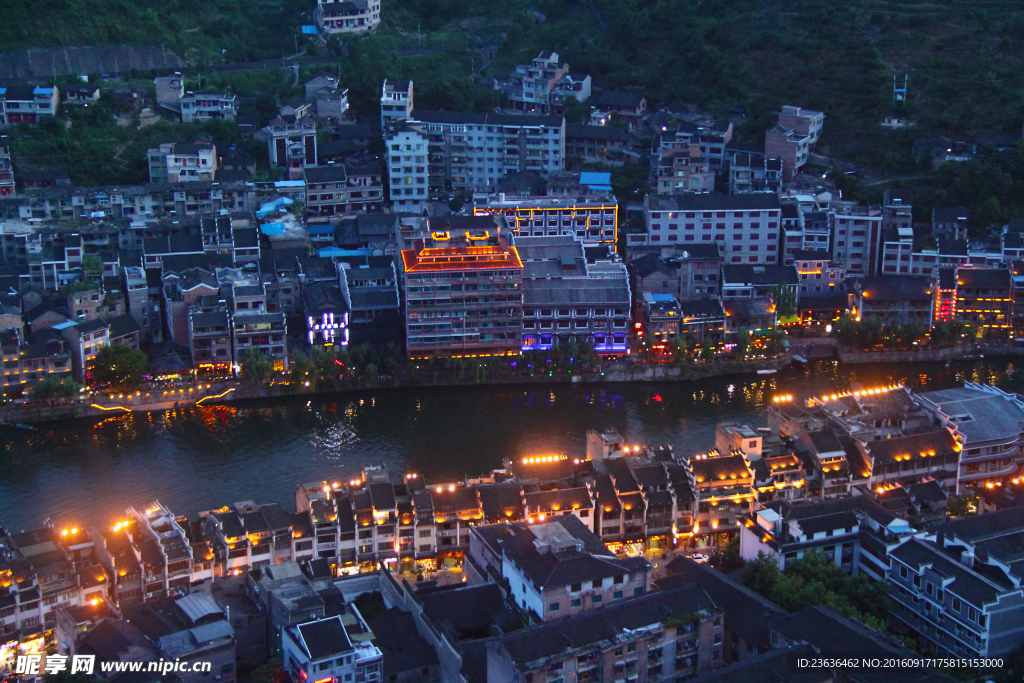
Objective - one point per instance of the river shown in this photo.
(87, 471)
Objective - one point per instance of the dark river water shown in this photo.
(199, 458)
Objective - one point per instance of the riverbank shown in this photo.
(221, 393)
(226, 392)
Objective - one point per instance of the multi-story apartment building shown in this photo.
(355, 186)
(668, 635)
(746, 225)
(396, 103)
(803, 229)
(249, 536)
(591, 218)
(554, 568)
(177, 162)
(463, 300)
(723, 484)
(471, 152)
(707, 138)
(984, 300)
(987, 423)
(164, 550)
(6, 169)
(857, 238)
(854, 533)
(66, 202)
(85, 340)
(793, 138)
(27, 104)
(803, 121)
(253, 327)
(902, 300)
(683, 171)
(566, 298)
(817, 273)
(347, 16)
(953, 588)
(600, 144)
(291, 144)
(209, 340)
(408, 176)
(754, 173)
(543, 86)
(898, 212)
(334, 647)
(26, 364)
(206, 106)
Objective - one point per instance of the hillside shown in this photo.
(965, 62)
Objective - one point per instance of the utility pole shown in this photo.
(417, 35)
(296, 37)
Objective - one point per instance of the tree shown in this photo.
(742, 343)
(55, 387)
(92, 266)
(119, 365)
(256, 366)
(576, 111)
(962, 506)
(270, 672)
(785, 301)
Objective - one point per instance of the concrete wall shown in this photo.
(58, 61)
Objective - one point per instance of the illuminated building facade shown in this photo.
(463, 301)
(555, 568)
(987, 424)
(724, 487)
(984, 300)
(591, 219)
(568, 297)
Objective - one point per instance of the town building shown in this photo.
(206, 106)
(817, 273)
(347, 16)
(793, 139)
(141, 202)
(591, 218)
(554, 568)
(754, 173)
(338, 647)
(177, 162)
(7, 185)
(596, 144)
(396, 103)
(291, 144)
(857, 238)
(855, 533)
(986, 422)
(674, 633)
(344, 188)
(609, 105)
(901, 300)
(567, 298)
(27, 104)
(543, 86)
(444, 314)
(469, 152)
(955, 589)
(746, 225)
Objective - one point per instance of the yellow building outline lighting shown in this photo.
(127, 410)
(217, 396)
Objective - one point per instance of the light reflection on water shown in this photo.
(199, 458)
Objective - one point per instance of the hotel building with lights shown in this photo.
(463, 295)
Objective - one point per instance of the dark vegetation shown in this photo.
(965, 60)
